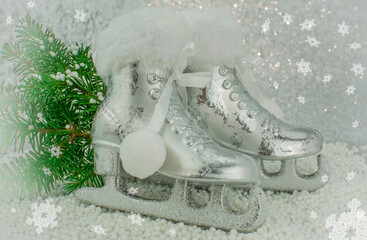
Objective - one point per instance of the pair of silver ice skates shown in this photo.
(177, 113)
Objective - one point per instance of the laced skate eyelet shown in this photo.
(242, 105)
(234, 96)
(155, 93)
(153, 78)
(223, 71)
(226, 84)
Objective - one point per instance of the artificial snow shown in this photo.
(298, 215)
(289, 213)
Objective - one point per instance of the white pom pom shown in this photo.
(142, 153)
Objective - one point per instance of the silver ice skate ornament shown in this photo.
(192, 157)
(237, 121)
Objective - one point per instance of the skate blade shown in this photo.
(177, 207)
(289, 179)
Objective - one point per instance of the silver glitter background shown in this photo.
(327, 108)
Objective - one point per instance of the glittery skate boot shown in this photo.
(142, 121)
(228, 113)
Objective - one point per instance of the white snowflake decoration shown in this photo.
(31, 4)
(9, 20)
(307, 24)
(287, 18)
(80, 15)
(98, 229)
(266, 26)
(303, 67)
(55, 151)
(132, 191)
(136, 219)
(350, 176)
(44, 215)
(276, 85)
(350, 226)
(355, 124)
(312, 41)
(46, 171)
(327, 78)
(358, 69)
(350, 90)
(343, 29)
(301, 99)
(324, 178)
(354, 45)
(313, 215)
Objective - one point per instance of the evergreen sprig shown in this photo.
(52, 109)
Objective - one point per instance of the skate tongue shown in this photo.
(143, 152)
(183, 80)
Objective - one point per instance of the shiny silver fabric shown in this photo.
(230, 115)
(191, 155)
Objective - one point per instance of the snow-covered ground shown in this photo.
(300, 215)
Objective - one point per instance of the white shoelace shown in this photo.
(183, 80)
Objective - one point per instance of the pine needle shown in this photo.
(51, 109)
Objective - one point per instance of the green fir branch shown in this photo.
(52, 108)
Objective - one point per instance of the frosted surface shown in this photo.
(327, 107)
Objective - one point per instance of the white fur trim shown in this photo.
(217, 38)
(147, 35)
